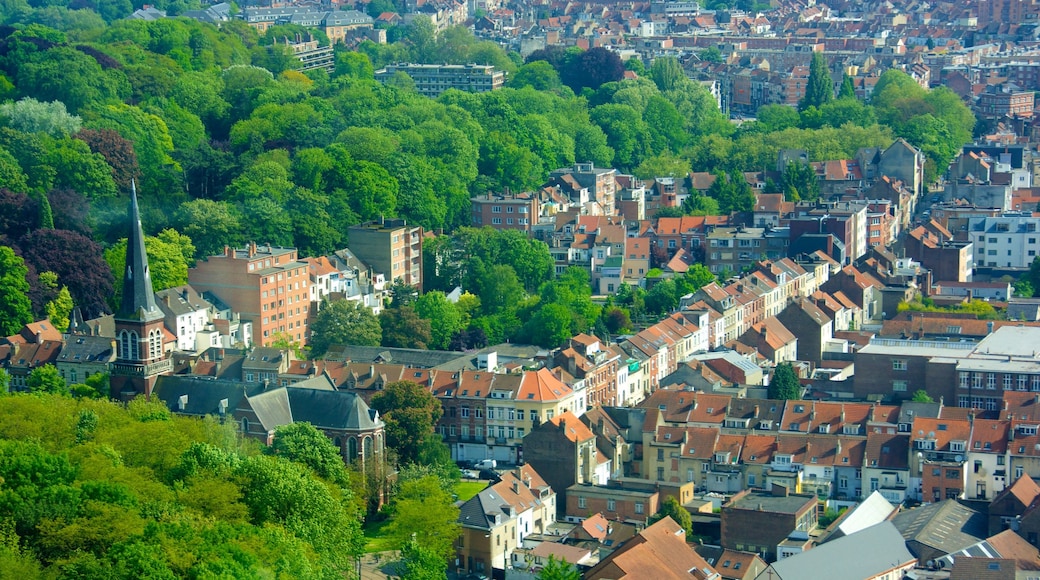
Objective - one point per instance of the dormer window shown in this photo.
(956, 445)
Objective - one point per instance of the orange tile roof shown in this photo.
(574, 430)
(541, 385)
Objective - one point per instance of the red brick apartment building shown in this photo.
(506, 211)
(264, 284)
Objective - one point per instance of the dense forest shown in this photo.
(228, 144)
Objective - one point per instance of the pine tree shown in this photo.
(819, 89)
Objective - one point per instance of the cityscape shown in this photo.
(523, 290)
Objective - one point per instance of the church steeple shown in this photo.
(138, 301)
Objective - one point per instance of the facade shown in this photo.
(185, 313)
(1008, 241)
(391, 247)
(563, 450)
(268, 286)
(433, 79)
(506, 211)
(756, 520)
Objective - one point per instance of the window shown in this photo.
(496, 209)
(1007, 382)
(496, 221)
(952, 474)
(899, 364)
(465, 412)
(751, 480)
(899, 386)
(581, 501)
(639, 507)
(519, 414)
(660, 454)
(991, 381)
(611, 505)
(964, 380)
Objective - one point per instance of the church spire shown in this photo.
(138, 301)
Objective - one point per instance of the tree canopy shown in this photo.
(344, 322)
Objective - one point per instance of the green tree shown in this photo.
(922, 396)
(15, 308)
(558, 570)
(410, 412)
(819, 89)
(847, 90)
(343, 322)
(211, 225)
(671, 508)
(422, 563)
(59, 309)
(46, 379)
(784, 384)
(169, 256)
(31, 116)
(425, 511)
(799, 182)
(698, 276)
(445, 319)
(302, 443)
(403, 328)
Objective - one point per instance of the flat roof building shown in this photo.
(433, 79)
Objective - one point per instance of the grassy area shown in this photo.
(467, 489)
(376, 539)
(375, 536)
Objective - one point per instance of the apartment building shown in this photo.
(391, 247)
(505, 211)
(268, 286)
(433, 79)
(1007, 241)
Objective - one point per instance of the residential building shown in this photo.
(390, 247)
(659, 551)
(83, 356)
(433, 79)
(563, 450)
(506, 211)
(268, 286)
(599, 181)
(185, 313)
(756, 521)
(1008, 241)
(616, 501)
(939, 454)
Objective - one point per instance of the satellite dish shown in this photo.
(959, 458)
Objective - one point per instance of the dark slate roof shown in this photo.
(203, 394)
(324, 409)
(333, 409)
(409, 357)
(84, 349)
(483, 510)
(946, 526)
(138, 303)
(181, 300)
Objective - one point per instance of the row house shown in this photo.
(688, 232)
(659, 349)
(598, 366)
(494, 523)
(563, 449)
(486, 415)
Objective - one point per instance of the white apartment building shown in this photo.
(1007, 241)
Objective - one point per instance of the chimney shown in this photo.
(182, 402)
(252, 249)
(756, 412)
(371, 371)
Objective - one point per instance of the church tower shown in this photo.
(139, 322)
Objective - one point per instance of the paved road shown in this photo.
(373, 569)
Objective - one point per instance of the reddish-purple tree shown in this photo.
(118, 153)
(18, 215)
(78, 262)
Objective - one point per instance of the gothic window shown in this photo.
(352, 449)
(124, 344)
(368, 447)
